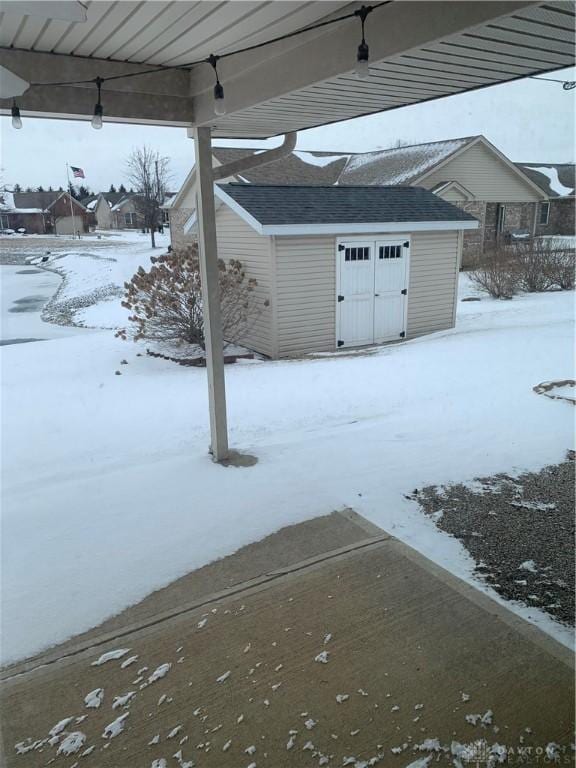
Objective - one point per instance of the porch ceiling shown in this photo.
(418, 51)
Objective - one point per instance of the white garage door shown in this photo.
(373, 287)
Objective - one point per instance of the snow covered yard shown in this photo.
(109, 492)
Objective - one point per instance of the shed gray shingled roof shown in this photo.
(306, 204)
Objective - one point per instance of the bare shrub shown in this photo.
(166, 300)
(562, 266)
(532, 260)
(495, 273)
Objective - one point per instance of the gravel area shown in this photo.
(519, 530)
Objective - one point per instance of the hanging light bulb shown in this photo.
(362, 69)
(16, 119)
(98, 109)
(219, 101)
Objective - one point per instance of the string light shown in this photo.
(362, 69)
(16, 119)
(219, 101)
(98, 109)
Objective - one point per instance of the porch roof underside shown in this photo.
(419, 51)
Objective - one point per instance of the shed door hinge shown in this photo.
(340, 343)
(404, 292)
(403, 334)
(340, 297)
(407, 244)
(341, 247)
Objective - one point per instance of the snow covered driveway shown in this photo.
(109, 492)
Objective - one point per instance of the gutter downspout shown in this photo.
(254, 161)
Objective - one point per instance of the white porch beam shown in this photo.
(208, 253)
(253, 78)
(161, 98)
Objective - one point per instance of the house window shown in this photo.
(130, 219)
(357, 254)
(544, 212)
(390, 252)
(4, 222)
(500, 218)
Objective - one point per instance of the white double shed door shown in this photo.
(372, 290)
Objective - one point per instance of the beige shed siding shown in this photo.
(306, 294)
(433, 281)
(237, 240)
(485, 175)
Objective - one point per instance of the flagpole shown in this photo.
(71, 206)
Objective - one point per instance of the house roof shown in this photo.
(400, 165)
(555, 179)
(39, 200)
(329, 208)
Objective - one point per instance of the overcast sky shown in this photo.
(527, 120)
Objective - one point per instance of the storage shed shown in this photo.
(343, 266)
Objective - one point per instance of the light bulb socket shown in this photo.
(363, 51)
(219, 103)
(16, 119)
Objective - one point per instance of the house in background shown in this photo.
(469, 172)
(100, 206)
(343, 266)
(43, 213)
(557, 181)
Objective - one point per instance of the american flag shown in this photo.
(78, 173)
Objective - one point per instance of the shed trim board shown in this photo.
(383, 227)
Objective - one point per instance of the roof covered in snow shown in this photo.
(556, 179)
(306, 204)
(401, 165)
(30, 202)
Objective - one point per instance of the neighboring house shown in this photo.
(469, 172)
(43, 213)
(557, 181)
(342, 266)
(100, 206)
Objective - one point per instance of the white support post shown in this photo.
(208, 253)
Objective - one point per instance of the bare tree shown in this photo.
(149, 173)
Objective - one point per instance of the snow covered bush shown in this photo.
(166, 300)
(494, 272)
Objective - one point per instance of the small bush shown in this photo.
(562, 266)
(495, 273)
(166, 300)
(532, 261)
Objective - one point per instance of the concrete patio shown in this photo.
(328, 643)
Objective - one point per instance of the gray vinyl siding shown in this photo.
(306, 294)
(237, 240)
(488, 177)
(433, 283)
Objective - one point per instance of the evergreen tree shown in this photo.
(83, 192)
(40, 189)
(122, 189)
(50, 189)
(112, 189)
(17, 188)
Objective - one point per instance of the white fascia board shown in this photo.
(242, 212)
(375, 227)
(189, 224)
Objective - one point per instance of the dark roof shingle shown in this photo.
(278, 205)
